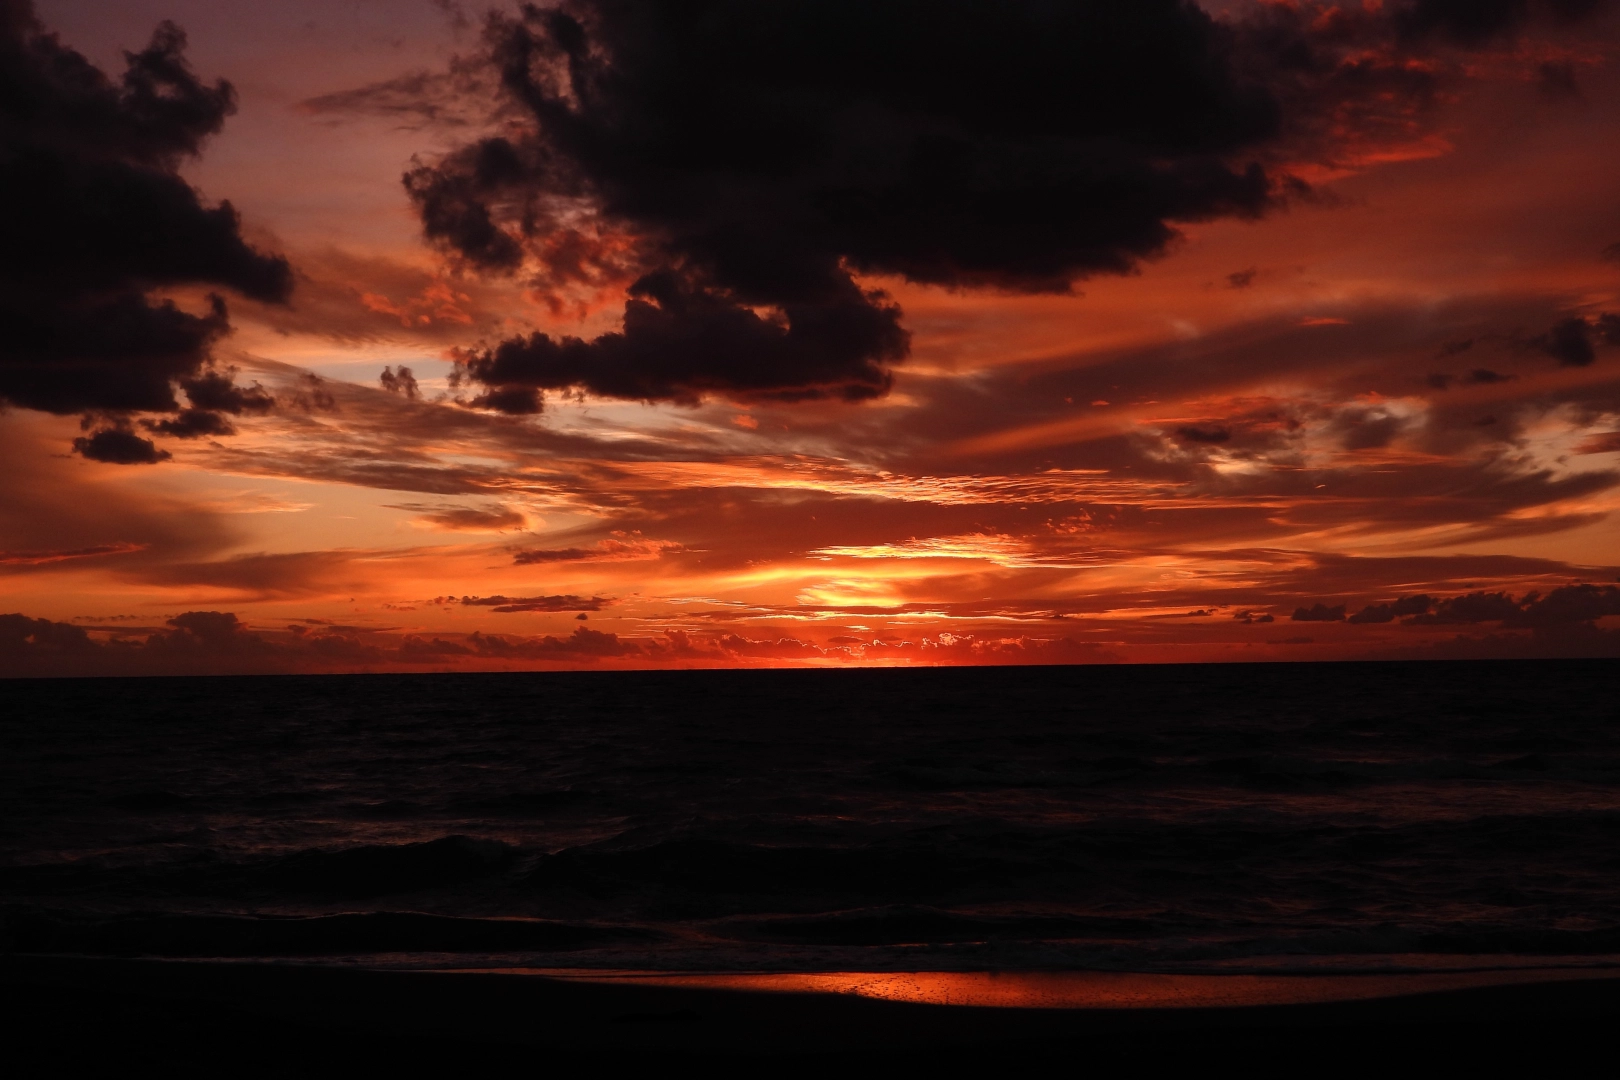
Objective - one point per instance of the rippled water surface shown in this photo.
(1263, 817)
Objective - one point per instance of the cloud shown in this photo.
(681, 341)
(1556, 81)
(38, 558)
(401, 382)
(1477, 377)
(96, 217)
(1565, 605)
(192, 424)
(217, 391)
(532, 603)
(1477, 22)
(466, 518)
(735, 190)
(621, 548)
(1604, 442)
(1572, 341)
(414, 101)
(583, 642)
(196, 641)
(1383, 613)
(260, 575)
(1210, 435)
(733, 193)
(119, 446)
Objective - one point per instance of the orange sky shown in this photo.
(1164, 466)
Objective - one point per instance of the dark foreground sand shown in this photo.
(235, 1019)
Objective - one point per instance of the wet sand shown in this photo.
(262, 1019)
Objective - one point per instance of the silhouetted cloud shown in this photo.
(217, 391)
(119, 446)
(737, 185)
(402, 382)
(413, 101)
(193, 424)
(1566, 605)
(620, 548)
(583, 642)
(1572, 341)
(534, 603)
(1476, 22)
(1205, 434)
(95, 216)
(731, 165)
(56, 555)
(1562, 606)
(466, 518)
(1569, 342)
(1556, 80)
(1383, 613)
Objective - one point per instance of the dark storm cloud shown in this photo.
(1569, 342)
(1319, 613)
(733, 164)
(737, 162)
(95, 216)
(1573, 341)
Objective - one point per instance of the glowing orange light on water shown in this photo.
(1087, 989)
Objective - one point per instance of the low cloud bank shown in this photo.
(218, 643)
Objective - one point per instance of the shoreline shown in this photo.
(106, 1010)
(1078, 990)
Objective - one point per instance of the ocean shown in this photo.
(1239, 818)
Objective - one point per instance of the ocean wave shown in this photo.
(355, 933)
(378, 869)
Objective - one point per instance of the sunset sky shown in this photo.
(722, 333)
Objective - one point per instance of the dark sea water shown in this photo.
(1187, 818)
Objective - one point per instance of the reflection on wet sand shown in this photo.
(1092, 989)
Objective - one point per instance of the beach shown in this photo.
(275, 873)
(244, 1019)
